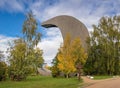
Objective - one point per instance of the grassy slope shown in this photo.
(42, 82)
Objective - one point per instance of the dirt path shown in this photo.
(106, 83)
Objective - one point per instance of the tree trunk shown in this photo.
(79, 75)
(67, 76)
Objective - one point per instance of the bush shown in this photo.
(3, 69)
(55, 71)
(16, 74)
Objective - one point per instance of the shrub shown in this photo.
(3, 69)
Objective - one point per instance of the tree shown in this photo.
(103, 47)
(32, 38)
(24, 56)
(66, 63)
(3, 70)
(79, 55)
(3, 67)
(19, 65)
(55, 70)
(31, 35)
(37, 60)
(1, 55)
(70, 55)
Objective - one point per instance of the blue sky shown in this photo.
(11, 23)
(12, 16)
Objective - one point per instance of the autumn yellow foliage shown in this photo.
(69, 54)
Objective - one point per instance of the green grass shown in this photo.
(42, 82)
(102, 77)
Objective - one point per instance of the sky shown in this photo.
(12, 16)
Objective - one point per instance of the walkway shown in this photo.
(106, 83)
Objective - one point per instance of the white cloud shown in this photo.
(4, 40)
(87, 11)
(11, 5)
(51, 44)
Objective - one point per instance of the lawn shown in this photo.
(102, 77)
(42, 82)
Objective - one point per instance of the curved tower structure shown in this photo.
(71, 25)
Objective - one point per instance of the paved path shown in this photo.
(106, 83)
